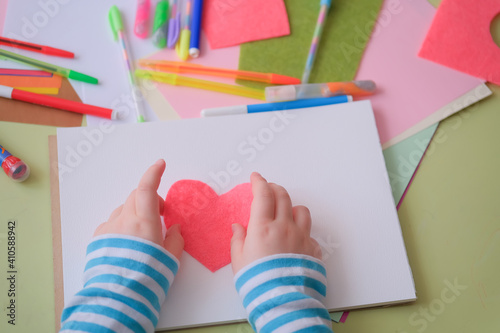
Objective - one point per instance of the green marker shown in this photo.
(160, 26)
(48, 67)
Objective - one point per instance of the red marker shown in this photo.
(57, 103)
(16, 169)
(36, 48)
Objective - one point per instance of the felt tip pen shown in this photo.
(70, 74)
(141, 27)
(57, 103)
(36, 48)
(16, 169)
(174, 24)
(194, 46)
(318, 31)
(160, 27)
(189, 68)
(178, 80)
(316, 90)
(115, 19)
(256, 108)
(182, 47)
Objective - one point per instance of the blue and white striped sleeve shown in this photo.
(284, 293)
(126, 280)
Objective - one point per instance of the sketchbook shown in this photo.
(329, 158)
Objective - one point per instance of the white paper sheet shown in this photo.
(83, 28)
(329, 159)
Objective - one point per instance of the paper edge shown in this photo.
(443, 113)
(56, 231)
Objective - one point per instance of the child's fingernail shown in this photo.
(233, 228)
(160, 162)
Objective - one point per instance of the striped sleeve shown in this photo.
(126, 280)
(284, 293)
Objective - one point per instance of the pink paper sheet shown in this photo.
(460, 38)
(24, 72)
(410, 88)
(188, 102)
(344, 317)
(229, 23)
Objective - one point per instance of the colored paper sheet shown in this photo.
(344, 317)
(206, 218)
(460, 38)
(22, 72)
(336, 316)
(45, 91)
(348, 28)
(230, 23)
(29, 81)
(403, 158)
(182, 100)
(480, 92)
(21, 112)
(410, 88)
(29, 204)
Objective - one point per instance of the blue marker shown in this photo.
(255, 108)
(194, 46)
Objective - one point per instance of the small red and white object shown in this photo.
(16, 169)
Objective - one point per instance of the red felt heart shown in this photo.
(206, 219)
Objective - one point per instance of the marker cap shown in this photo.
(182, 48)
(82, 77)
(115, 19)
(16, 169)
(282, 79)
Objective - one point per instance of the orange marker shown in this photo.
(182, 67)
(317, 90)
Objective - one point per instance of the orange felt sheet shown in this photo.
(30, 81)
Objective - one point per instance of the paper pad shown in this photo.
(328, 158)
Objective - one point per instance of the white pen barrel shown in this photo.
(6, 92)
(230, 110)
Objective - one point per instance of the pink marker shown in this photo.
(141, 28)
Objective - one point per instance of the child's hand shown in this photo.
(140, 215)
(274, 227)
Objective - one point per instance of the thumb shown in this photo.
(174, 243)
(237, 241)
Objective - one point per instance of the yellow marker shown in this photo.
(182, 47)
(178, 80)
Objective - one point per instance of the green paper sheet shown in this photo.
(336, 316)
(403, 158)
(348, 28)
(29, 204)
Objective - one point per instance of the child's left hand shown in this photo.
(140, 215)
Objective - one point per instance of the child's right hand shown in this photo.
(275, 227)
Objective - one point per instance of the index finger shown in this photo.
(263, 202)
(147, 204)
